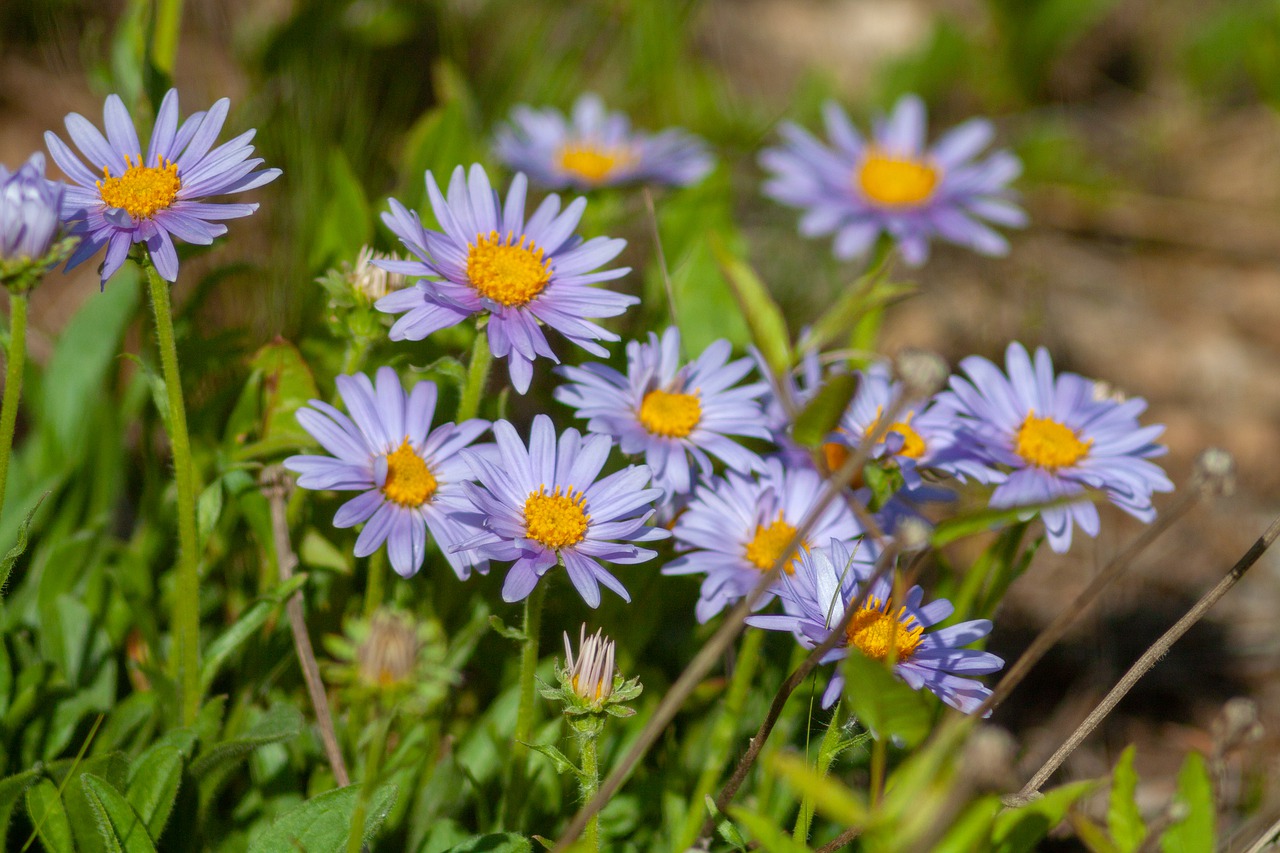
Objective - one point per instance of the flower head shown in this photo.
(893, 184)
(827, 581)
(392, 658)
(29, 211)
(1053, 438)
(668, 411)
(153, 197)
(543, 506)
(737, 527)
(597, 149)
(489, 259)
(410, 475)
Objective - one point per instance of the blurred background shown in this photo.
(1151, 144)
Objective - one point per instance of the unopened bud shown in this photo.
(1215, 472)
(389, 653)
(922, 372)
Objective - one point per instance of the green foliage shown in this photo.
(322, 823)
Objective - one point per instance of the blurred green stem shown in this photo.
(186, 606)
(372, 768)
(722, 735)
(353, 360)
(879, 758)
(477, 378)
(164, 38)
(826, 755)
(375, 582)
(867, 328)
(589, 783)
(514, 787)
(15, 361)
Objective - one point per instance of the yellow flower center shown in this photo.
(670, 415)
(766, 546)
(912, 442)
(875, 630)
(896, 181)
(409, 481)
(592, 163)
(1049, 444)
(556, 520)
(505, 271)
(142, 190)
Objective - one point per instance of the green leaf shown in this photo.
(316, 552)
(559, 759)
(11, 789)
(971, 831)
(6, 564)
(1195, 792)
(764, 317)
(49, 817)
(280, 723)
(347, 222)
(324, 822)
(504, 630)
(287, 384)
(822, 414)
(706, 309)
(883, 703)
(153, 786)
(767, 833)
(829, 796)
(1123, 819)
(208, 510)
(1020, 830)
(121, 828)
(217, 652)
(498, 842)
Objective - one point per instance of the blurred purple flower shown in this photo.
(30, 208)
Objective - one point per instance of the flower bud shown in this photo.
(30, 206)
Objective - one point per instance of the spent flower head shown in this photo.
(153, 197)
(521, 274)
(894, 184)
(392, 658)
(596, 148)
(589, 683)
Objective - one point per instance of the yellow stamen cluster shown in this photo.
(556, 520)
(509, 272)
(141, 191)
(913, 445)
(670, 415)
(409, 482)
(593, 163)
(876, 630)
(1049, 444)
(896, 181)
(766, 546)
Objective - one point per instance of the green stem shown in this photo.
(589, 784)
(477, 376)
(826, 755)
(723, 735)
(15, 362)
(354, 357)
(375, 582)
(186, 601)
(372, 767)
(879, 759)
(525, 717)
(164, 38)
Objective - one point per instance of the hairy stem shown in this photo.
(275, 485)
(589, 783)
(477, 377)
(375, 589)
(186, 608)
(14, 364)
(517, 758)
(372, 769)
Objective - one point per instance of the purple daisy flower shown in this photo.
(827, 581)
(490, 259)
(894, 184)
(923, 436)
(411, 475)
(542, 506)
(29, 211)
(155, 197)
(1056, 437)
(597, 149)
(670, 412)
(736, 527)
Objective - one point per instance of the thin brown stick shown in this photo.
(1063, 622)
(275, 485)
(711, 652)
(1149, 659)
(840, 840)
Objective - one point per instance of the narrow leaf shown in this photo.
(1195, 793)
(122, 830)
(153, 788)
(1124, 822)
(821, 415)
(324, 822)
(6, 564)
(49, 817)
(764, 317)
